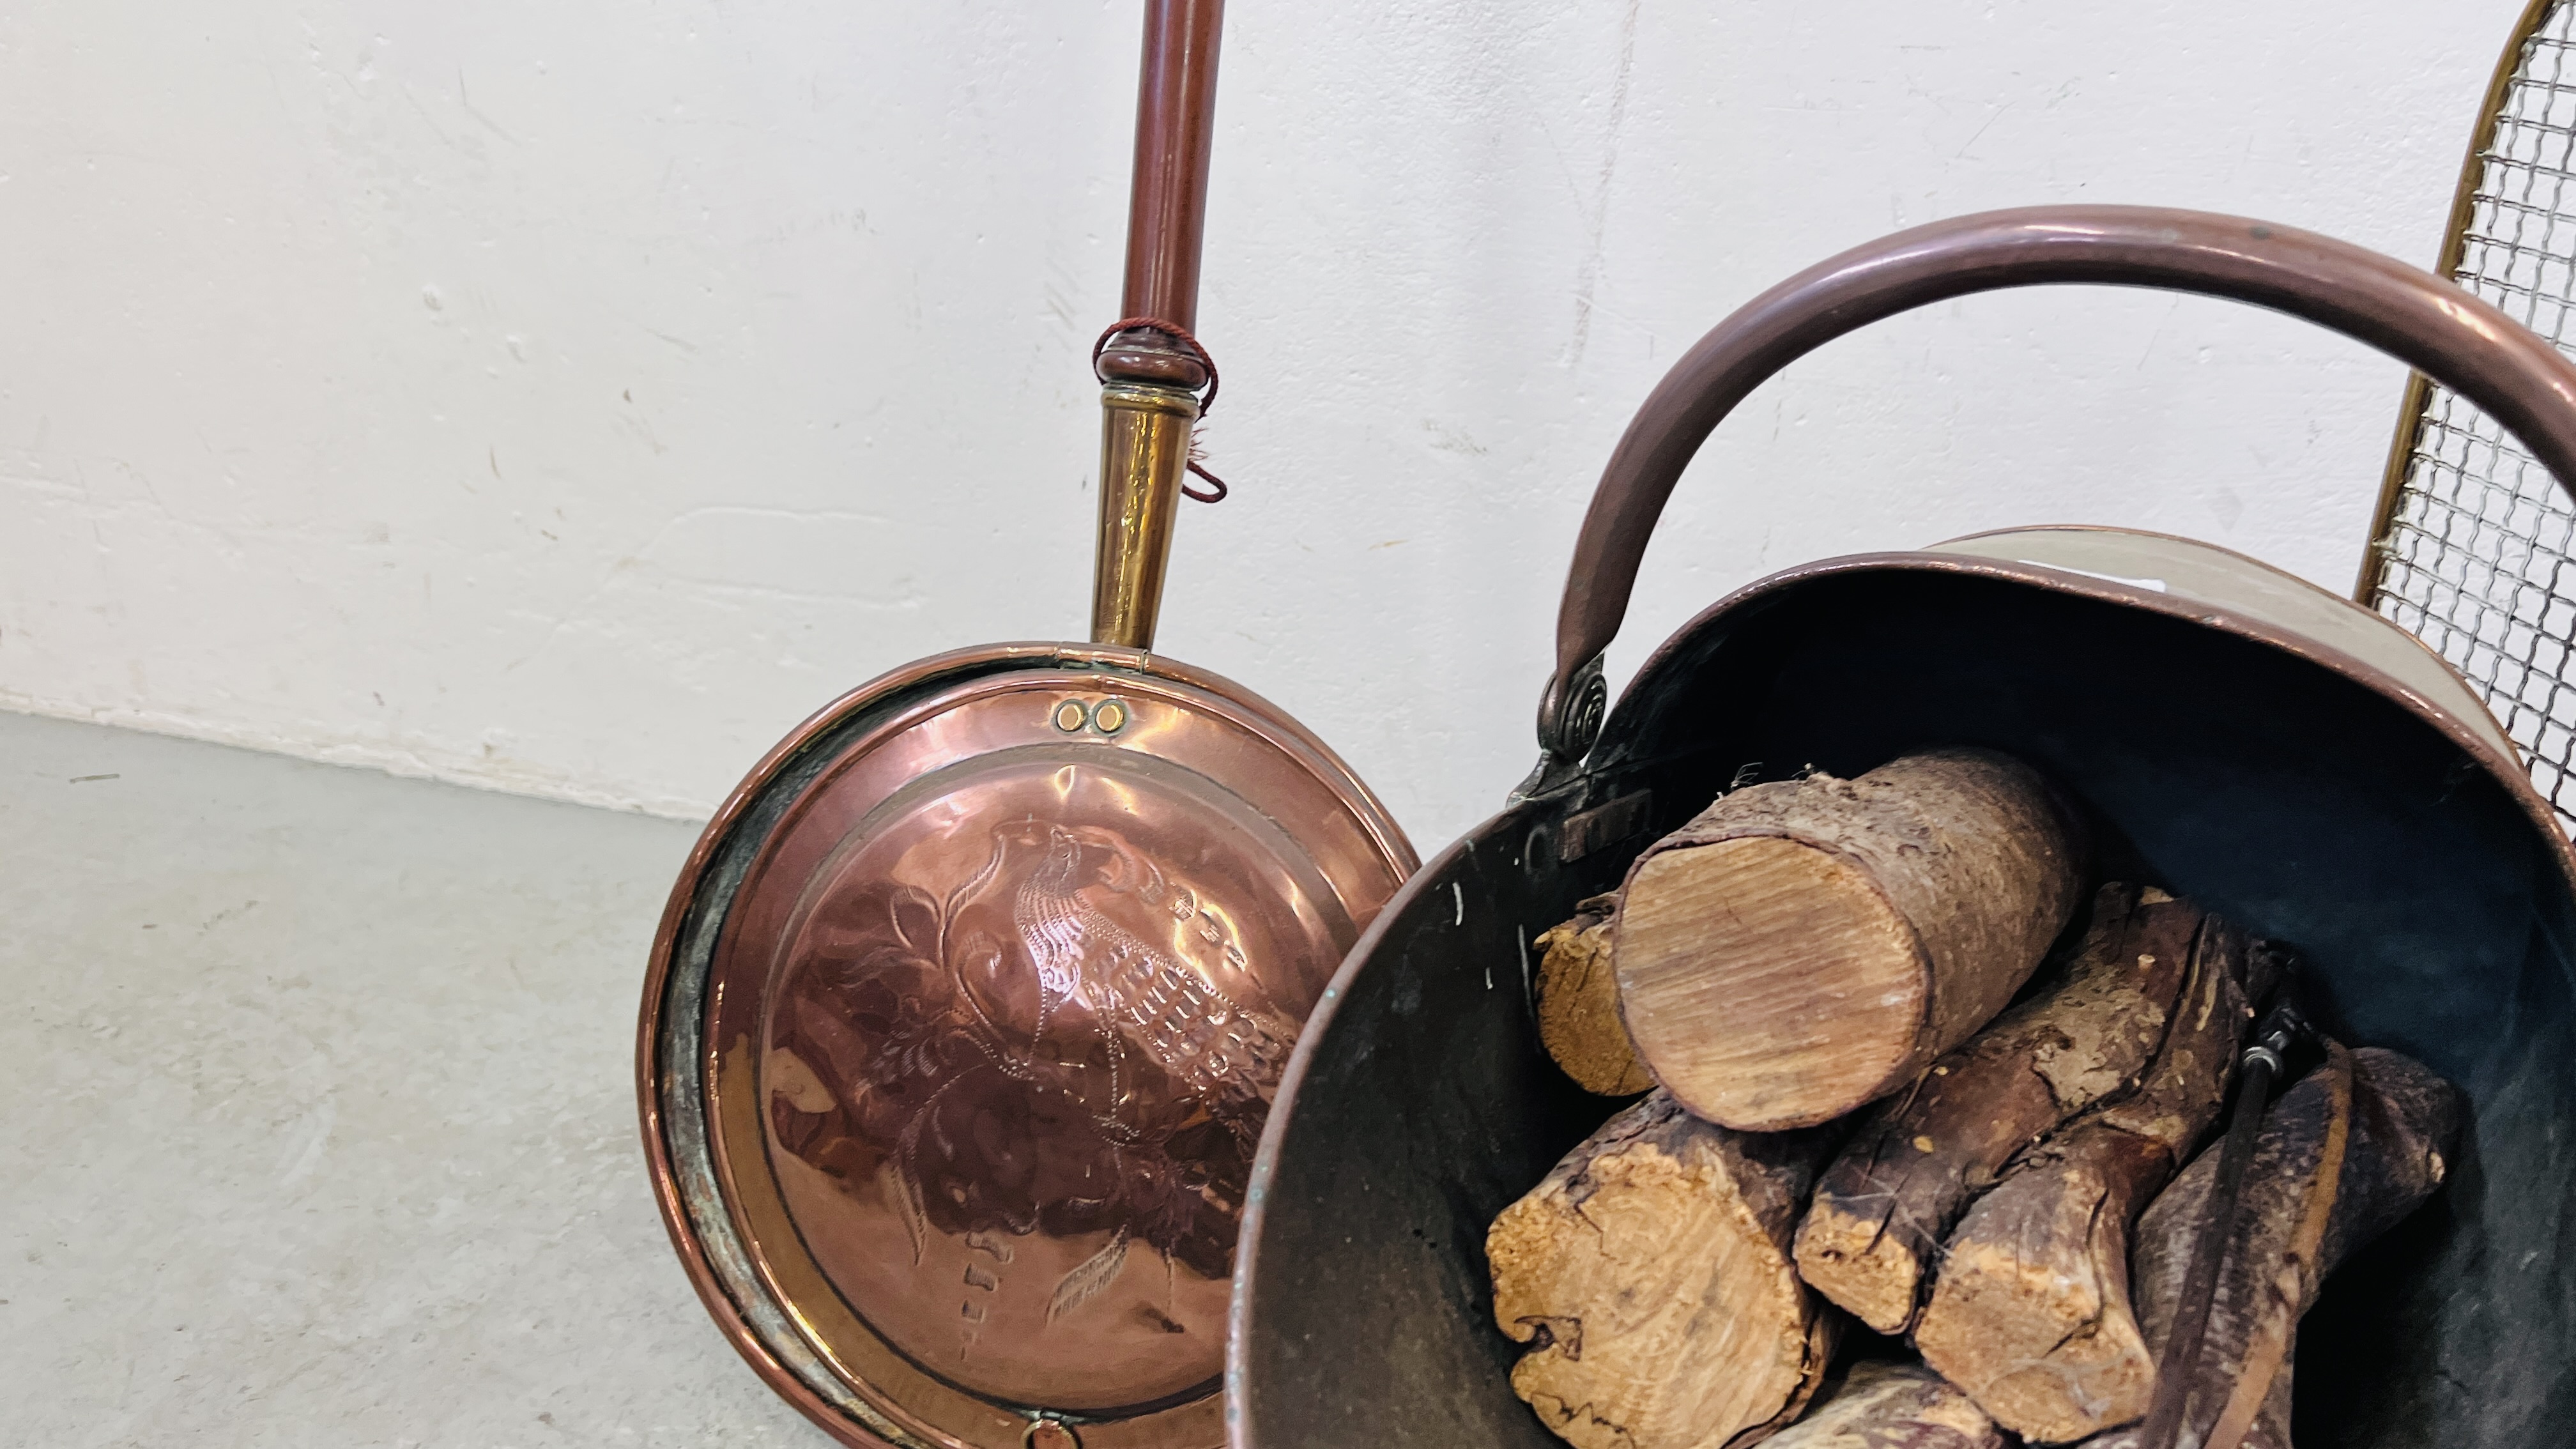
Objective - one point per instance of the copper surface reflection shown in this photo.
(962, 1022)
(1022, 1039)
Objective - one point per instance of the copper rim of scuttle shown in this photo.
(716, 1178)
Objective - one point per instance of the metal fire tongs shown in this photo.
(2257, 1069)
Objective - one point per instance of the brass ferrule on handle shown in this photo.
(1148, 398)
(1144, 454)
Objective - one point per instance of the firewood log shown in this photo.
(1875, 1405)
(1883, 1208)
(1650, 1275)
(2342, 1157)
(2031, 1313)
(1803, 948)
(1578, 1004)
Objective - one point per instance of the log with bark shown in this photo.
(1803, 948)
(1890, 1198)
(1650, 1275)
(2030, 1313)
(1578, 1004)
(1877, 1405)
(2342, 1157)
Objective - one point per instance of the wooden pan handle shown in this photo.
(1175, 122)
(2412, 315)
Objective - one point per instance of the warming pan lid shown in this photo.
(963, 1021)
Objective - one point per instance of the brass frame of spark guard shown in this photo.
(2455, 236)
(1144, 454)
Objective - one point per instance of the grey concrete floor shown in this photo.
(317, 1122)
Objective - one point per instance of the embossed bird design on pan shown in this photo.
(1226, 1052)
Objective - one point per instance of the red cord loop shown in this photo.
(1218, 496)
(1191, 348)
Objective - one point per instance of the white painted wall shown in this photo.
(570, 397)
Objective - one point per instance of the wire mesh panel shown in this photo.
(2478, 554)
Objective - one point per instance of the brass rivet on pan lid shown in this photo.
(1050, 1434)
(1071, 716)
(1109, 716)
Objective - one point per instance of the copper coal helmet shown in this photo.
(2236, 735)
(967, 1011)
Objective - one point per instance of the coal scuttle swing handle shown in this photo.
(2414, 316)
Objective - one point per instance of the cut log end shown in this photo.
(1649, 1274)
(1802, 948)
(1578, 1005)
(1873, 1274)
(1760, 933)
(2031, 1313)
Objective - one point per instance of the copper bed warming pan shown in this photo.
(967, 1010)
(2280, 753)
